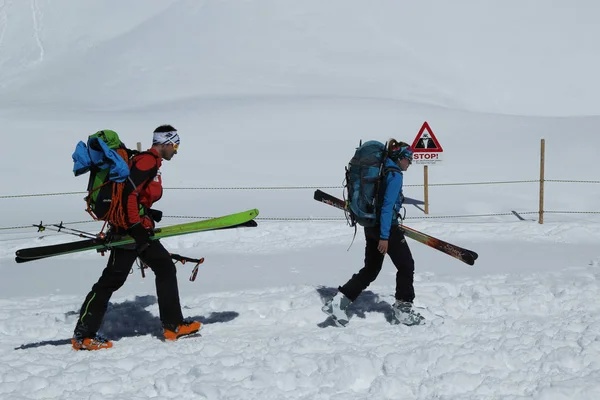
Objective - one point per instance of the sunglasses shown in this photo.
(410, 159)
(175, 145)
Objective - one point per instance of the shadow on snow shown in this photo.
(365, 303)
(130, 319)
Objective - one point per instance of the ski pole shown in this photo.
(91, 235)
(60, 228)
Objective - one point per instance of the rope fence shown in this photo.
(541, 181)
(320, 219)
(312, 187)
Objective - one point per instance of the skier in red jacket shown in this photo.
(138, 198)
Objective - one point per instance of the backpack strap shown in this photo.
(153, 173)
(154, 170)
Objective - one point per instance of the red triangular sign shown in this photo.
(426, 142)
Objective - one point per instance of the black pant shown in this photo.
(114, 276)
(398, 251)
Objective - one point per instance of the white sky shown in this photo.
(279, 93)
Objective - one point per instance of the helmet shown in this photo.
(402, 150)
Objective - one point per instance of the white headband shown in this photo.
(166, 138)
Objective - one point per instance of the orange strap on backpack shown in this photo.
(116, 212)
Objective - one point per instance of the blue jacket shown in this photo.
(85, 157)
(392, 199)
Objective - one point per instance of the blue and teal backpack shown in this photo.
(364, 183)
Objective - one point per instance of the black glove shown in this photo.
(156, 215)
(141, 236)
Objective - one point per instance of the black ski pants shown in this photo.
(401, 256)
(114, 276)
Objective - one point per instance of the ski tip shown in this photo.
(250, 224)
(475, 255)
(469, 259)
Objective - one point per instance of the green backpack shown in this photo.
(107, 159)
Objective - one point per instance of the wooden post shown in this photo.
(139, 146)
(542, 160)
(426, 188)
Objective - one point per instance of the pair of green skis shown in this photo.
(242, 219)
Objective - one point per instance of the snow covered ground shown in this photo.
(278, 93)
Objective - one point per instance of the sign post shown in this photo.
(542, 162)
(427, 150)
(426, 189)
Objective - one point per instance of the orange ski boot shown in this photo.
(185, 328)
(90, 343)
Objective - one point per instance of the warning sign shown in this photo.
(427, 149)
(426, 142)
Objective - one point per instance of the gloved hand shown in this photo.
(147, 223)
(141, 235)
(156, 215)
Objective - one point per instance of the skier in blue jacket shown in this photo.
(384, 238)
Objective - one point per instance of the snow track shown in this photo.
(522, 336)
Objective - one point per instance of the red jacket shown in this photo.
(145, 176)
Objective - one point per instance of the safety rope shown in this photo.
(343, 218)
(313, 187)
